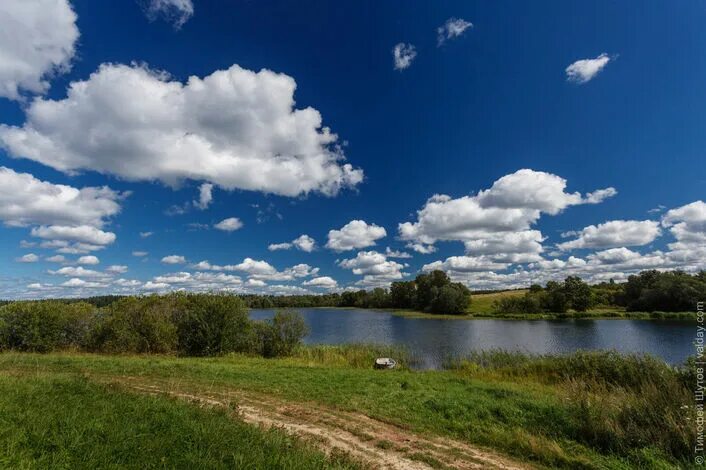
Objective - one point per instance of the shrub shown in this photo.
(280, 335)
(44, 326)
(212, 324)
(136, 325)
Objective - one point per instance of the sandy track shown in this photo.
(375, 443)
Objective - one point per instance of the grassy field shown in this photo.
(591, 411)
(56, 420)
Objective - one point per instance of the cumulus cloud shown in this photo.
(585, 70)
(176, 12)
(26, 200)
(56, 259)
(236, 129)
(464, 264)
(88, 260)
(615, 233)
(37, 40)
(390, 253)
(80, 271)
(146, 234)
(174, 259)
(205, 196)
(497, 221)
(355, 234)
(28, 258)
(89, 236)
(303, 242)
(139, 254)
(230, 224)
(324, 282)
(375, 268)
(403, 55)
(453, 28)
(116, 269)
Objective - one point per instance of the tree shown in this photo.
(578, 293)
(403, 294)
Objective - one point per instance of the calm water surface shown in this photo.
(433, 340)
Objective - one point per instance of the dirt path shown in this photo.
(373, 442)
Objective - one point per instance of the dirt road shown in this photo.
(372, 442)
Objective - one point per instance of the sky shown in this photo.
(310, 147)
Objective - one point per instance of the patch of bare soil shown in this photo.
(374, 443)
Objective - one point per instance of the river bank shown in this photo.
(577, 411)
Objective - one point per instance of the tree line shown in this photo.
(648, 291)
(433, 292)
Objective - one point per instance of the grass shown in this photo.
(54, 420)
(549, 411)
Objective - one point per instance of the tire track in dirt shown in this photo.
(370, 441)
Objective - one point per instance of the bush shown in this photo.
(280, 335)
(136, 325)
(44, 326)
(212, 324)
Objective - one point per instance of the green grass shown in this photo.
(65, 421)
(572, 421)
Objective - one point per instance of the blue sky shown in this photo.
(581, 97)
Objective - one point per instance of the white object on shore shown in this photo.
(385, 363)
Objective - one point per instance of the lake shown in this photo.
(433, 340)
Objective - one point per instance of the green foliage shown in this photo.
(137, 325)
(43, 326)
(185, 324)
(673, 291)
(212, 324)
(619, 403)
(430, 292)
(281, 335)
(556, 297)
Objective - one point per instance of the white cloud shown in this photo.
(176, 12)
(174, 259)
(139, 254)
(421, 248)
(375, 268)
(355, 234)
(56, 259)
(324, 282)
(615, 233)
(453, 28)
(496, 221)
(26, 200)
(146, 234)
(37, 40)
(116, 269)
(28, 258)
(80, 271)
(687, 223)
(205, 196)
(390, 253)
(465, 264)
(584, 70)
(403, 55)
(88, 259)
(279, 246)
(255, 267)
(235, 128)
(229, 225)
(255, 283)
(76, 282)
(303, 242)
(82, 234)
